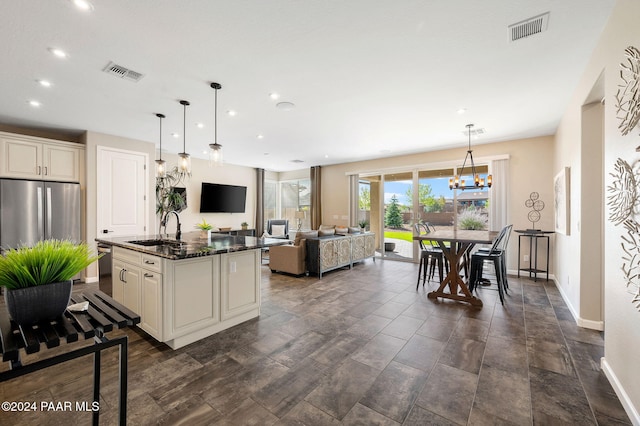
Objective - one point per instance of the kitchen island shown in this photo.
(188, 289)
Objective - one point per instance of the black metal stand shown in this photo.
(103, 314)
(102, 343)
(533, 236)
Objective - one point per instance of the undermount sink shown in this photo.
(156, 242)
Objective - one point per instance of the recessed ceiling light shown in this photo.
(83, 5)
(35, 104)
(200, 125)
(205, 152)
(44, 83)
(461, 110)
(58, 52)
(326, 156)
(232, 113)
(175, 135)
(274, 96)
(260, 136)
(285, 106)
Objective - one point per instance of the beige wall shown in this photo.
(621, 318)
(227, 175)
(530, 170)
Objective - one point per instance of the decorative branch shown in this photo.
(628, 95)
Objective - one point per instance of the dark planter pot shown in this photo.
(389, 246)
(43, 302)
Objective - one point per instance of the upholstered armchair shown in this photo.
(291, 259)
(278, 228)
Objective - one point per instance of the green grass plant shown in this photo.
(399, 235)
(46, 262)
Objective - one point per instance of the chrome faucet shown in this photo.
(166, 218)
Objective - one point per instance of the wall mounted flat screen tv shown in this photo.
(218, 198)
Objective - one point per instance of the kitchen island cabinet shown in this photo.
(191, 290)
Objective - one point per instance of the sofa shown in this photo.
(294, 259)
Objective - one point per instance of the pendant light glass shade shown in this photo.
(215, 149)
(184, 164)
(161, 165)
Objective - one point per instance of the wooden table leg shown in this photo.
(453, 278)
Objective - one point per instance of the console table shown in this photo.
(103, 315)
(238, 232)
(533, 235)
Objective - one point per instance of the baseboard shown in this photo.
(581, 322)
(91, 279)
(619, 390)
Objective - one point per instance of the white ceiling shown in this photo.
(369, 78)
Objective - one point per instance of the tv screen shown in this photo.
(218, 198)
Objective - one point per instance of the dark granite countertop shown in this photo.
(191, 245)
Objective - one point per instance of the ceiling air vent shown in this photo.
(297, 161)
(122, 72)
(528, 27)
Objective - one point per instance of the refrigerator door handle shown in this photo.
(48, 204)
(40, 211)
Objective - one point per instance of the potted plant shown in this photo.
(363, 225)
(167, 198)
(38, 279)
(244, 225)
(204, 227)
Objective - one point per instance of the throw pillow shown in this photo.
(354, 230)
(277, 230)
(326, 232)
(323, 227)
(342, 230)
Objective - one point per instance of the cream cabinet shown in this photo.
(126, 284)
(137, 284)
(37, 158)
(192, 291)
(184, 300)
(240, 282)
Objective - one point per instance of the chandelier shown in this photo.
(478, 183)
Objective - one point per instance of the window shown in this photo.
(295, 195)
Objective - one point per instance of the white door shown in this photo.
(121, 183)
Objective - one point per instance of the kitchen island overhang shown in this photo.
(189, 289)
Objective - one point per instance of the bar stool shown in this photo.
(430, 257)
(496, 255)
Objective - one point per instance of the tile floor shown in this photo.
(359, 347)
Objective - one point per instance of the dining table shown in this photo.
(455, 243)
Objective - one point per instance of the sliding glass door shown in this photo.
(393, 202)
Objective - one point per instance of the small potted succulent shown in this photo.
(38, 279)
(363, 225)
(205, 228)
(244, 226)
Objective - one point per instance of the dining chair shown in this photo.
(430, 257)
(497, 255)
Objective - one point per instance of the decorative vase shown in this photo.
(244, 227)
(363, 230)
(29, 305)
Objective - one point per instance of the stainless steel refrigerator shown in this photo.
(31, 211)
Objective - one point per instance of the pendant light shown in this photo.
(215, 149)
(161, 165)
(478, 183)
(184, 163)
